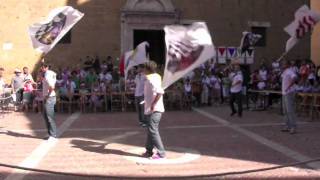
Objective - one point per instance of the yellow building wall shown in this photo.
(315, 42)
(16, 16)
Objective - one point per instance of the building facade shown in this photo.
(111, 27)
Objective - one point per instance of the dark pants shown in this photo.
(48, 115)
(140, 109)
(153, 138)
(236, 98)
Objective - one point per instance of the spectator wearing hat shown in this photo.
(17, 83)
(236, 89)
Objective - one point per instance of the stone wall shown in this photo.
(99, 32)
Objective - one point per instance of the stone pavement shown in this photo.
(199, 143)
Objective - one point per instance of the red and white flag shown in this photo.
(45, 35)
(187, 48)
(305, 21)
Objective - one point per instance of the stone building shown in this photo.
(111, 27)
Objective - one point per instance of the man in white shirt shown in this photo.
(48, 85)
(27, 75)
(153, 109)
(236, 90)
(139, 94)
(289, 78)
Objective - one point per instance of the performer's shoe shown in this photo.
(293, 131)
(232, 114)
(157, 157)
(147, 155)
(285, 129)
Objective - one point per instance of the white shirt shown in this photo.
(215, 82)
(190, 75)
(188, 87)
(237, 88)
(139, 81)
(287, 77)
(28, 77)
(152, 87)
(263, 74)
(49, 80)
(2, 85)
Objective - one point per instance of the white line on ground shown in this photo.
(273, 145)
(40, 152)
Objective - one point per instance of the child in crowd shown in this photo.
(27, 94)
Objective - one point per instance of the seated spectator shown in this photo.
(95, 98)
(91, 78)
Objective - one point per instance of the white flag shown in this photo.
(305, 20)
(136, 57)
(187, 48)
(45, 35)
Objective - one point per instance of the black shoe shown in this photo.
(232, 114)
(293, 131)
(143, 124)
(240, 115)
(285, 129)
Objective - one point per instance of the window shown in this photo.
(66, 38)
(263, 32)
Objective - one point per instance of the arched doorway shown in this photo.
(144, 20)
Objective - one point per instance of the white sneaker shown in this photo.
(52, 139)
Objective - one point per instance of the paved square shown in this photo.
(199, 143)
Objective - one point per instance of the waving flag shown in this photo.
(305, 20)
(249, 40)
(187, 48)
(45, 35)
(136, 57)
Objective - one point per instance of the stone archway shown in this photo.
(145, 15)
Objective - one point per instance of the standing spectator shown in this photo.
(153, 109)
(205, 81)
(96, 64)
(109, 64)
(139, 95)
(289, 78)
(304, 70)
(27, 75)
(236, 89)
(215, 84)
(27, 94)
(2, 82)
(17, 83)
(318, 73)
(49, 95)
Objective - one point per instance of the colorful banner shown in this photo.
(232, 52)
(187, 48)
(305, 20)
(250, 56)
(45, 35)
(222, 55)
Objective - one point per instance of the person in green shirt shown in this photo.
(91, 78)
